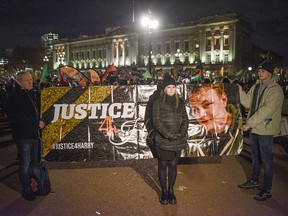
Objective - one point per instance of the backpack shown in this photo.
(39, 179)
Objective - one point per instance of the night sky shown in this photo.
(24, 21)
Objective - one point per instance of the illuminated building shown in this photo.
(214, 42)
(47, 41)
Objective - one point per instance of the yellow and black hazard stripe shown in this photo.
(55, 133)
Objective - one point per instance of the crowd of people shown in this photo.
(135, 77)
(166, 120)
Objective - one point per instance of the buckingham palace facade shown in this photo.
(214, 42)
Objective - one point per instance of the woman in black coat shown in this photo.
(170, 120)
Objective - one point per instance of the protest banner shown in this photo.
(107, 122)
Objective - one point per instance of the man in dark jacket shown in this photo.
(24, 116)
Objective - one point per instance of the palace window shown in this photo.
(120, 50)
(168, 50)
(177, 46)
(141, 50)
(225, 57)
(159, 49)
(217, 59)
(208, 42)
(217, 41)
(226, 41)
(208, 59)
(186, 46)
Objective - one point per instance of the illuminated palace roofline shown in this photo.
(220, 39)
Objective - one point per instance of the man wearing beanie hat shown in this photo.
(264, 101)
(266, 65)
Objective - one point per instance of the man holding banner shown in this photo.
(264, 101)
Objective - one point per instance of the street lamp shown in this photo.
(45, 59)
(151, 23)
(178, 54)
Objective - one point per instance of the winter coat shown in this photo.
(23, 114)
(171, 123)
(266, 120)
(148, 119)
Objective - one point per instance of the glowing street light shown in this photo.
(150, 23)
(178, 54)
(45, 59)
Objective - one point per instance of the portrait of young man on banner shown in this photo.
(215, 120)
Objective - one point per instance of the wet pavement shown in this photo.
(204, 186)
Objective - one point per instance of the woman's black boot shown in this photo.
(164, 197)
(171, 196)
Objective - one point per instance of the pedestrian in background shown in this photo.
(264, 101)
(170, 120)
(23, 113)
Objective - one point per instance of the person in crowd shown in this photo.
(47, 82)
(170, 120)
(113, 78)
(207, 80)
(55, 81)
(221, 121)
(264, 101)
(23, 113)
(225, 80)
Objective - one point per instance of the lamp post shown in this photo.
(46, 60)
(151, 23)
(178, 54)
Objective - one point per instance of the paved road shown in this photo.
(204, 187)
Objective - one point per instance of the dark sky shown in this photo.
(23, 22)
